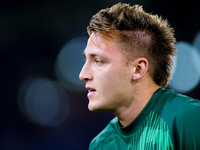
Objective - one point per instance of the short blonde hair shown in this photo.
(141, 35)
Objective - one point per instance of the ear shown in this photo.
(140, 68)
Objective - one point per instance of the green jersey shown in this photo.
(169, 121)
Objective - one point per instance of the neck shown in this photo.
(142, 96)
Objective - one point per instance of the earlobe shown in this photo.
(140, 68)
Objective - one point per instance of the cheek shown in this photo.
(116, 80)
(120, 76)
(113, 78)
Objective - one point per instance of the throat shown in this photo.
(129, 114)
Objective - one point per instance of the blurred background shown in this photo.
(43, 105)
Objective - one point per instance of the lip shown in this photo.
(91, 91)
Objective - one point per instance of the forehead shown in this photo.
(101, 44)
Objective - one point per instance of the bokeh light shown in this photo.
(43, 101)
(32, 34)
(197, 41)
(186, 73)
(69, 63)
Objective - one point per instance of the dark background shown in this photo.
(35, 32)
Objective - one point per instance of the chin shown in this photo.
(94, 109)
(97, 108)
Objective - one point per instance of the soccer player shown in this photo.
(129, 56)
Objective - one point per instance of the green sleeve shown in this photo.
(188, 126)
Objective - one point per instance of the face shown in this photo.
(108, 78)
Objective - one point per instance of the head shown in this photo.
(125, 45)
(139, 34)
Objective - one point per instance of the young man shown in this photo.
(128, 63)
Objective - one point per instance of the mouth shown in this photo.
(91, 91)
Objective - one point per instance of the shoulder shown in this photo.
(187, 112)
(106, 132)
(183, 113)
(182, 107)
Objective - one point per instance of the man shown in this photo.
(128, 63)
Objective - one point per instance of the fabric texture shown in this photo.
(169, 121)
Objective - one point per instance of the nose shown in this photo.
(85, 74)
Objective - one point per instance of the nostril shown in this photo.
(86, 79)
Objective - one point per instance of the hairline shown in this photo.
(118, 39)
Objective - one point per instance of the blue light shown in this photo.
(186, 73)
(197, 41)
(43, 101)
(69, 63)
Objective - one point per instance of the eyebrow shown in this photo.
(91, 55)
